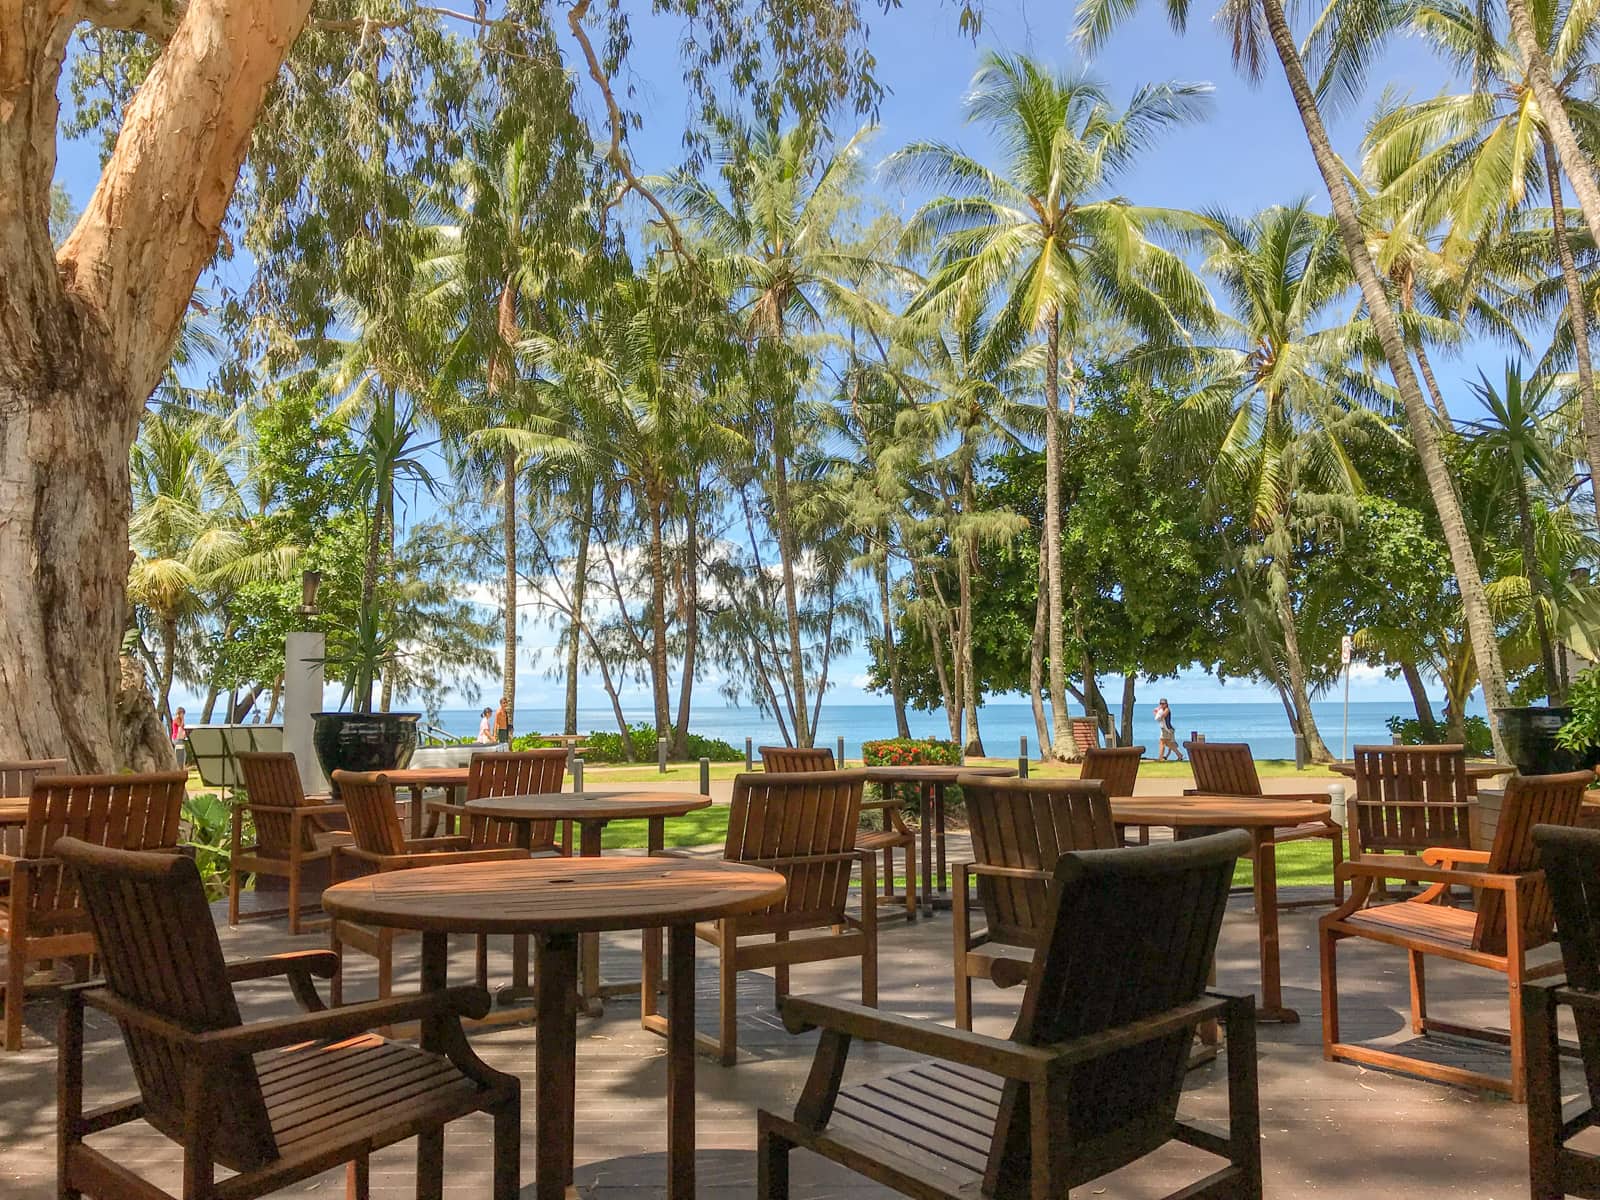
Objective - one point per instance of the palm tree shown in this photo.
(1513, 436)
(1350, 35)
(1473, 160)
(1046, 231)
(774, 234)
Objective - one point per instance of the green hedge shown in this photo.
(1480, 742)
(909, 752)
(605, 746)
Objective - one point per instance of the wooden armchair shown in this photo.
(1229, 769)
(1117, 769)
(43, 917)
(1086, 733)
(1020, 829)
(292, 830)
(1409, 798)
(277, 1101)
(16, 779)
(804, 827)
(1089, 1080)
(895, 834)
(381, 845)
(1571, 861)
(514, 773)
(1513, 915)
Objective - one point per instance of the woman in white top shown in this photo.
(486, 728)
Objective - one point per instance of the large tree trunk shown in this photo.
(580, 583)
(891, 656)
(788, 551)
(508, 538)
(691, 628)
(1061, 741)
(1298, 691)
(1577, 164)
(1474, 601)
(1536, 593)
(659, 688)
(1577, 319)
(1432, 385)
(1130, 683)
(1041, 722)
(85, 335)
(1419, 699)
(169, 662)
(973, 739)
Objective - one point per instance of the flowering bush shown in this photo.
(910, 752)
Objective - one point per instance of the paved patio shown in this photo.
(1328, 1130)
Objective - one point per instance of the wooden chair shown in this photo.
(381, 845)
(1229, 769)
(291, 829)
(1409, 798)
(1117, 768)
(16, 779)
(1086, 734)
(515, 773)
(43, 916)
(803, 826)
(1089, 1080)
(276, 1101)
(1020, 829)
(895, 834)
(1513, 916)
(1571, 861)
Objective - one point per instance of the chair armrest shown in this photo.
(1009, 872)
(321, 963)
(1405, 866)
(445, 858)
(1559, 991)
(347, 1021)
(1449, 857)
(1007, 1058)
(429, 844)
(1303, 797)
(801, 860)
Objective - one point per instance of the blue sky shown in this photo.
(1248, 154)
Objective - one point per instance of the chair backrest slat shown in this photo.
(272, 778)
(1529, 801)
(790, 760)
(159, 951)
(514, 773)
(1030, 823)
(368, 799)
(1223, 768)
(1130, 933)
(1412, 797)
(1116, 767)
(797, 816)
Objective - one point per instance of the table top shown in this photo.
(555, 895)
(589, 806)
(14, 810)
(929, 773)
(428, 776)
(1231, 812)
(1476, 769)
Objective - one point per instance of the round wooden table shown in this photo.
(417, 779)
(555, 900)
(931, 782)
(1193, 815)
(591, 812)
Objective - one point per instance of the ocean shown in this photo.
(1263, 725)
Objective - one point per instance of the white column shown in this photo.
(302, 696)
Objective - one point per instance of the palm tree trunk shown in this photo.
(169, 659)
(1536, 592)
(891, 657)
(973, 740)
(1041, 722)
(1432, 384)
(1055, 628)
(1474, 601)
(1577, 319)
(1558, 126)
(386, 697)
(691, 627)
(1130, 684)
(580, 582)
(1419, 699)
(658, 616)
(1298, 691)
(787, 552)
(508, 537)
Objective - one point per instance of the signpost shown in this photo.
(1346, 652)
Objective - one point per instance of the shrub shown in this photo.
(523, 741)
(606, 746)
(1582, 729)
(908, 752)
(1413, 733)
(209, 822)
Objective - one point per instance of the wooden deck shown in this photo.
(1329, 1131)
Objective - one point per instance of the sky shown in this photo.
(1249, 153)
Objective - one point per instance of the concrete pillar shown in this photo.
(302, 696)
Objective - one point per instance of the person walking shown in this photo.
(180, 728)
(486, 728)
(1167, 736)
(502, 723)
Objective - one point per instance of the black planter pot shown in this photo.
(1530, 738)
(364, 741)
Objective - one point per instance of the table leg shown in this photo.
(589, 944)
(1265, 872)
(555, 1054)
(416, 810)
(925, 820)
(938, 832)
(519, 989)
(650, 939)
(680, 1062)
(430, 1144)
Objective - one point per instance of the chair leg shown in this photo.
(911, 881)
(336, 987)
(728, 1031)
(483, 960)
(430, 1164)
(1419, 992)
(385, 963)
(1519, 1069)
(16, 974)
(963, 992)
(1544, 1096)
(294, 896)
(772, 1162)
(869, 929)
(233, 894)
(1330, 993)
(358, 1179)
(780, 971)
(1337, 843)
(508, 1148)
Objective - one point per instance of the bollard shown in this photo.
(840, 758)
(705, 777)
(577, 774)
(749, 756)
(1022, 757)
(1336, 802)
(1301, 756)
(1394, 740)
(661, 755)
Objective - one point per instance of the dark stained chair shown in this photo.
(43, 916)
(1117, 769)
(1571, 861)
(1089, 1080)
(381, 845)
(276, 1101)
(1512, 916)
(292, 829)
(804, 827)
(1229, 769)
(895, 834)
(1020, 829)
